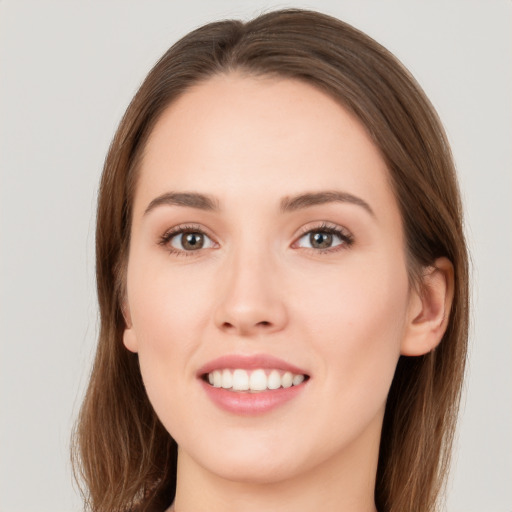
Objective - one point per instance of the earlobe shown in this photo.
(129, 337)
(429, 309)
(130, 340)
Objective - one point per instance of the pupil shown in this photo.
(320, 240)
(193, 241)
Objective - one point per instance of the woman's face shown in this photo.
(266, 239)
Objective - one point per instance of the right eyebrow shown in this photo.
(190, 199)
(290, 204)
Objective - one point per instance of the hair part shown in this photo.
(122, 452)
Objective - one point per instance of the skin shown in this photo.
(344, 315)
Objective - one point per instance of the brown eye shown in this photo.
(190, 241)
(186, 240)
(324, 238)
(320, 240)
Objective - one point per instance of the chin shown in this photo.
(257, 470)
(249, 461)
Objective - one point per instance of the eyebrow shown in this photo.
(288, 204)
(189, 199)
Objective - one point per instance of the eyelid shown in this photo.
(324, 226)
(184, 228)
(165, 239)
(343, 233)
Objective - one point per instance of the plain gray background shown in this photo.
(67, 72)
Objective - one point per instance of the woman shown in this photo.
(282, 279)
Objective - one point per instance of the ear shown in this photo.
(129, 337)
(429, 309)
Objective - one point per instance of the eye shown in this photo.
(184, 239)
(324, 238)
(191, 241)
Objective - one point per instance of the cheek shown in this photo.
(166, 311)
(165, 299)
(356, 322)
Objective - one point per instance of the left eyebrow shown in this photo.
(187, 199)
(290, 204)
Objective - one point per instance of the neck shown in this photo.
(342, 483)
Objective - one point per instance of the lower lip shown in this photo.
(245, 403)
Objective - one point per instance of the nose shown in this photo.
(251, 295)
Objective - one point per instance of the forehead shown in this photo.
(266, 137)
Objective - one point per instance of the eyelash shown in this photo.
(346, 238)
(166, 238)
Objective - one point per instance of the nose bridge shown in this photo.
(250, 296)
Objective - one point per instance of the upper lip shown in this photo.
(249, 362)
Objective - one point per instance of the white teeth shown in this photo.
(297, 379)
(255, 380)
(227, 379)
(258, 381)
(287, 380)
(217, 379)
(240, 380)
(274, 380)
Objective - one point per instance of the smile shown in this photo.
(253, 384)
(255, 381)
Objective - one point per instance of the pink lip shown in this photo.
(249, 362)
(244, 402)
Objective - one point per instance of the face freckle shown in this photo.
(222, 161)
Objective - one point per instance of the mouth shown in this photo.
(253, 384)
(256, 380)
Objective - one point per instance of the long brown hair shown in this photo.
(122, 452)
